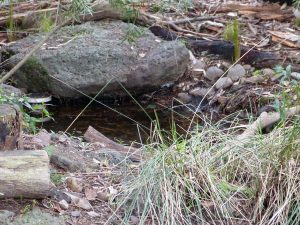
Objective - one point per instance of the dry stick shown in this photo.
(29, 54)
(200, 18)
(266, 119)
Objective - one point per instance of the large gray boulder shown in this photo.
(88, 56)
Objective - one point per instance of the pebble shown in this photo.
(198, 64)
(223, 82)
(247, 67)
(75, 213)
(253, 79)
(213, 73)
(74, 184)
(236, 72)
(295, 75)
(268, 72)
(184, 98)
(63, 204)
(103, 196)
(202, 92)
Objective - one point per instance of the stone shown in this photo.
(112, 156)
(224, 82)
(247, 67)
(201, 92)
(184, 98)
(103, 196)
(10, 90)
(89, 56)
(6, 216)
(236, 72)
(252, 80)
(37, 216)
(198, 68)
(63, 204)
(75, 213)
(268, 72)
(74, 184)
(213, 73)
(295, 75)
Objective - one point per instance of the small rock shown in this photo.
(253, 79)
(103, 196)
(84, 204)
(236, 72)
(10, 90)
(66, 163)
(198, 67)
(93, 214)
(247, 67)
(184, 98)
(75, 213)
(295, 75)
(268, 72)
(63, 204)
(213, 73)
(5, 216)
(223, 82)
(74, 184)
(202, 92)
(37, 216)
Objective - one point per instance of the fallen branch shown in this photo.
(92, 135)
(265, 120)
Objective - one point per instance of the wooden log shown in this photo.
(24, 174)
(92, 135)
(10, 127)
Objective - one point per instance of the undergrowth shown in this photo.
(209, 178)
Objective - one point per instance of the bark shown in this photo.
(24, 174)
(10, 127)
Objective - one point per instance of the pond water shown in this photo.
(127, 123)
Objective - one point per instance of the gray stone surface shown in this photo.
(236, 72)
(224, 82)
(8, 90)
(6, 216)
(213, 73)
(184, 98)
(38, 217)
(88, 56)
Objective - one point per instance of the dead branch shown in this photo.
(92, 135)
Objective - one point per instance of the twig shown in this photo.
(189, 20)
(29, 54)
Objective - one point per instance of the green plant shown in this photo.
(49, 149)
(297, 22)
(11, 26)
(211, 177)
(296, 4)
(284, 73)
(22, 102)
(231, 33)
(57, 178)
(46, 23)
(133, 33)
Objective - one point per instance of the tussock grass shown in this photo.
(200, 181)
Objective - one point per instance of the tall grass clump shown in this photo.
(210, 178)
